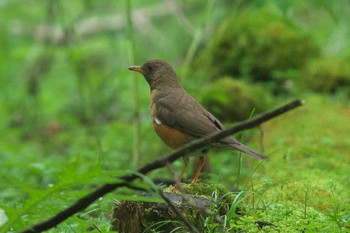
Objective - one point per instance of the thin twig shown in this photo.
(84, 202)
(262, 134)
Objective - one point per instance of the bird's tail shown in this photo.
(233, 143)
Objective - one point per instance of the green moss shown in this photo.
(258, 45)
(206, 189)
(284, 218)
(328, 75)
(200, 189)
(234, 100)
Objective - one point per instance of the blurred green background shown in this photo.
(73, 116)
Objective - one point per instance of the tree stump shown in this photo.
(137, 216)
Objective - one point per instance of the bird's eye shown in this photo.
(149, 68)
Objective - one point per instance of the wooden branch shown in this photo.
(84, 202)
(86, 27)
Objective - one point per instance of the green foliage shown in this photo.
(62, 187)
(234, 100)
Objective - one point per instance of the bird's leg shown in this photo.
(198, 171)
(186, 161)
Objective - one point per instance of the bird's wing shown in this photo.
(188, 116)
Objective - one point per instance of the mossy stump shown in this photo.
(137, 216)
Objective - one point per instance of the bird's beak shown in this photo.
(137, 69)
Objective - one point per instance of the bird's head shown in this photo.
(157, 73)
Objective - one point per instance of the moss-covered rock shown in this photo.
(197, 203)
(328, 75)
(259, 45)
(234, 100)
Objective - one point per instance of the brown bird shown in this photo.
(177, 117)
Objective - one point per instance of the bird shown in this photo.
(177, 117)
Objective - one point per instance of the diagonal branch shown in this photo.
(84, 202)
(178, 212)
